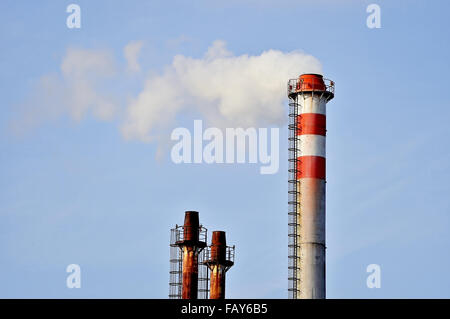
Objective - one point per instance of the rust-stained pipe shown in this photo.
(190, 246)
(218, 265)
(190, 273)
(191, 226)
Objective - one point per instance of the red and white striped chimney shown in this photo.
(308, 96)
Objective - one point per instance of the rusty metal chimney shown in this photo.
(220, 258)
(191, 245)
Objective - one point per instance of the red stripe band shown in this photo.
(311, 123)
(311, 166)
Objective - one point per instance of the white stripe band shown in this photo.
(308, 104)
(311, 145)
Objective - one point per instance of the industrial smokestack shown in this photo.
(308, 96)
(190, 245)
(219, 261)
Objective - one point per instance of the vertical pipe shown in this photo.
(217, 288)
(189, 246)
(190, 273)
(311, 179)
(311, 97)
(218, 265)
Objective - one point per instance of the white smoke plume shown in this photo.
(77, 90)
(82, 70)
(224, 89)
(131, 52)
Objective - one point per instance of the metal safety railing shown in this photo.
(176, 264)
(321, 86)
(176, 268)
(179, 232)
(229, 253)
(293, 203)
(203, 276)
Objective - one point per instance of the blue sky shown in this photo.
(75, 190)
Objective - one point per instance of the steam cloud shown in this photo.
(131, 52)
(75, 91)
(224, 89)
(81, 70)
